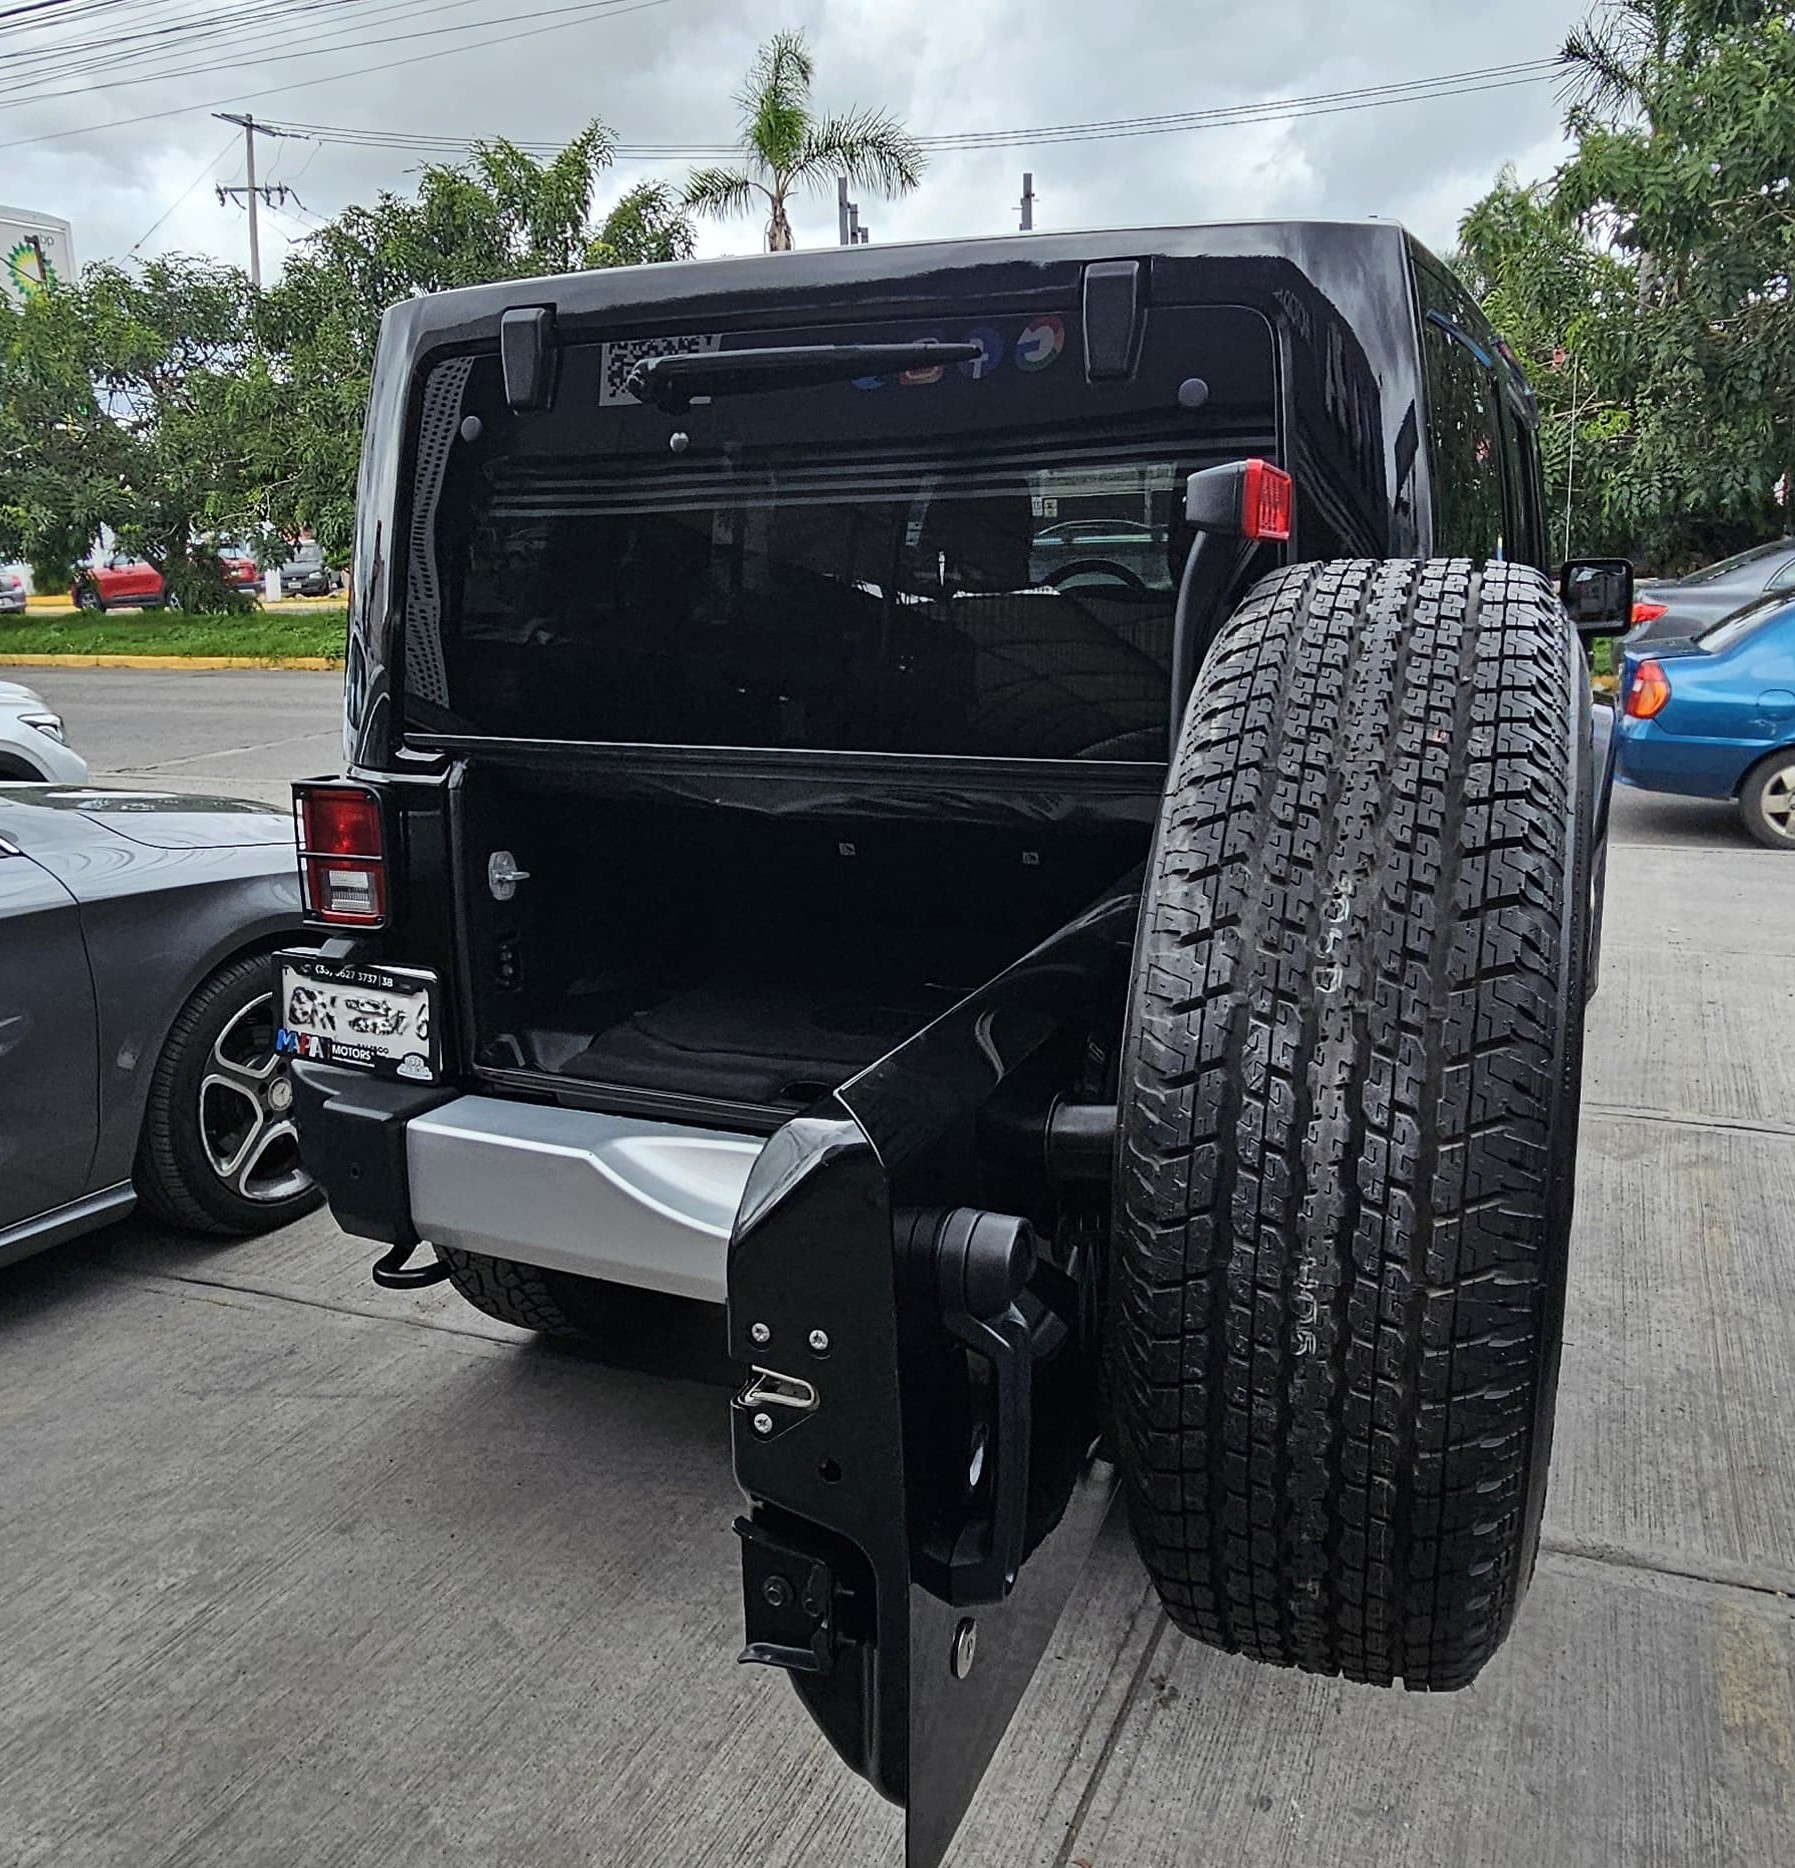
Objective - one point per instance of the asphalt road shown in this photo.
(298, 1571)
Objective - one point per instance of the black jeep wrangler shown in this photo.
(1023, 814)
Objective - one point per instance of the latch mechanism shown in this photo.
(503, 875)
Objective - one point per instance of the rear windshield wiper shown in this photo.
(673, 382)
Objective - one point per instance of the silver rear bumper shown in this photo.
(644, 1203)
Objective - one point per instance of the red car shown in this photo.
(121, 582)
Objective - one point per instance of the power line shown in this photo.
(1526, 71)
(308, 49)
(62, 58)
(609, 9)
(39, 6)
(1326, 103)
(1238, 116)
(230, 143)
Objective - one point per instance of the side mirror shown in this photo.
(1598, 595)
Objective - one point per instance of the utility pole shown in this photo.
(1028, 201)
(251, 130)
(847, 216)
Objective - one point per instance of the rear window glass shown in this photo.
(1741, 623)
(1712, 573)
(978, 559)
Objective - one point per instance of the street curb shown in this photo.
(313, 662)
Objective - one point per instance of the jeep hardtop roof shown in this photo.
(1351, 260)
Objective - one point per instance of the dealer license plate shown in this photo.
(380, 1018)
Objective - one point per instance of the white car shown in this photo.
(31, 740)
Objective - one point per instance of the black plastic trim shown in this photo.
(352, 1141)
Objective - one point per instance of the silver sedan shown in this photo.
(137, 1058)
(31, 739)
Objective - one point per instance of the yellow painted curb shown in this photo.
(288, 606)
(320, 662)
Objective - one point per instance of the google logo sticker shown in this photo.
(1040, 343)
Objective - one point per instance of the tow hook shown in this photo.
(392, 1273)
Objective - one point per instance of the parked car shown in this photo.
(120, 582)
(1715, 717)
(1092, 552)
(1144, 1014)
(137, 1003)
(32, 742)
(241, 571)
(1675, 609)
(305, 574)
(12, 590)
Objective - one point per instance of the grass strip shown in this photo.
(267, 635)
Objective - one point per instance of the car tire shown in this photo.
(554, 1303)
(218, 1153)
(89, 599)
(1767, 800)
(1347, 1123)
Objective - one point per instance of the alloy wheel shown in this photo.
(1776, 802)
(246, 1122)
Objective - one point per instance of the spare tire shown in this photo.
(1348, 1117)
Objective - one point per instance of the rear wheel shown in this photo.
(219, 1152)
(1348, 1120)
(552, 1302)
(1767, 800)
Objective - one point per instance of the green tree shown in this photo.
(648, 224)
(786, 147)
(1654, 268)
(119, 403)
(1570, 309)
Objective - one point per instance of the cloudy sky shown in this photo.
(118, 139)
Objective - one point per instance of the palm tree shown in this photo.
(1614, 59)
(786, 147)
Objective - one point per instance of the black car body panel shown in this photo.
(146, 895)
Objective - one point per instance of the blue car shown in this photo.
(1714, 717)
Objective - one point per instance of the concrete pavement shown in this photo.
(246, 732)
(299, 1571)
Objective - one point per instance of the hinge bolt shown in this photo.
(776, 1591)
(760, 1332)
(819, 1341)
(966, 1641)
(763, 1423)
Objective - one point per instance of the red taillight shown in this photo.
(1265, 501)
(1649, 692)
(342, 854)
(1646, 611)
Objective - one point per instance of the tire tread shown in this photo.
(1338, 1241)
(525, 1296)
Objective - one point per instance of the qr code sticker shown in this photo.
(623, 356)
